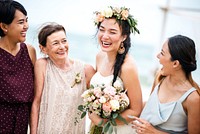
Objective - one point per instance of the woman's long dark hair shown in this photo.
(127, 44)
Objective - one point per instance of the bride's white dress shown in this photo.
(99, 79)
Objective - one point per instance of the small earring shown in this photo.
(121, 49)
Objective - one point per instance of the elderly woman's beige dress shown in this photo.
(59, 102)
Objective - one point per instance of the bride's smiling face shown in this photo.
(110, 35)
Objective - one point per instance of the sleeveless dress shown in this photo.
(99, 79)
(59, 102)
(16, 91)
(168, 117)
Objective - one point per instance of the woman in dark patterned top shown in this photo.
(16, 69)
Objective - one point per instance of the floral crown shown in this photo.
(121, 14)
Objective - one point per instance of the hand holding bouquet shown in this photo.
(106, 101)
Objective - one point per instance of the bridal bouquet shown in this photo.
(106, 101)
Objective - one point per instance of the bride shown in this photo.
(113, 63)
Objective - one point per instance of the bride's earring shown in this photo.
(121, 49)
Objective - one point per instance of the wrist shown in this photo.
(100, 123)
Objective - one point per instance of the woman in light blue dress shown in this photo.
(174, 105)
(113, 63)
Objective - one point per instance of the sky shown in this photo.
(183, 17)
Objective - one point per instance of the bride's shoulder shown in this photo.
(129, 64)
(129, 61)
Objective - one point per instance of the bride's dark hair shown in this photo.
(127, 44)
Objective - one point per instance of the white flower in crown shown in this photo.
(108, 12)
(117, 10)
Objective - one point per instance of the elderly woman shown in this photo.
(59, 83)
